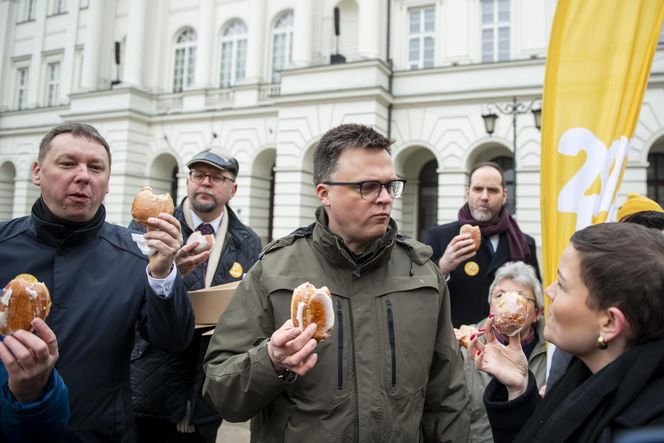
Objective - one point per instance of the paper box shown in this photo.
(210, 302)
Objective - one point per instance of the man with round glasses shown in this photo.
(167, 386)
(391, 370)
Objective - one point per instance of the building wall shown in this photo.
(271, 128)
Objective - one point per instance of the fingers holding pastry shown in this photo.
(291, 348)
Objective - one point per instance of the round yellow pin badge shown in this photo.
(471, 268)
(236, 270)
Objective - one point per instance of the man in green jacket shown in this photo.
(392, 370)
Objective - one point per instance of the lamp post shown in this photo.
(514, 109)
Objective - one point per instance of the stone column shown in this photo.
(67, 70)
(205, 43)
(91, 55)
(369, 29)
(255, 46)
(133, 68)
(303, 33)
(36, 61)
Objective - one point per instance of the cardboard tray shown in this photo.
(209, 303)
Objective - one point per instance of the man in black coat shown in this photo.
(166, 387)
(103, 289)
(469, 274)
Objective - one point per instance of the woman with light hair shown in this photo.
(512, 276)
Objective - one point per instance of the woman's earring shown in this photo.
(601, 344)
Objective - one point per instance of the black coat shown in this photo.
(100, 295)
(583, 407)
(469, 294)
(163, 382)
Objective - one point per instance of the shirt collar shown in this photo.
(215, 223)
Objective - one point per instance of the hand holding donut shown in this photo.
(508, 363)
(29, 359)
(163, 230)
(461, 248)
(292, 348)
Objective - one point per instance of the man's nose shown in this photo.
(384, 196)
(82, 173)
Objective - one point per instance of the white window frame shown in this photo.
(233, 53)
(282, 29)
(495, 28)
(184, 59)
(22, 87)
(59, 7)
(420, 37)
(52, 89)
(29, 10)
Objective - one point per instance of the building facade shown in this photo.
(262, 80)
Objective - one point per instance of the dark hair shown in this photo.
(77, 130)
(493, 165)
(622, 265)
(337, 140)
(649, 219)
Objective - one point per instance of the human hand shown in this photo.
(29, 359)
(166, 239)
(291, 348)
(186, 260)
(461, 248)
(508, 364)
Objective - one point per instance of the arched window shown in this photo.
(656, 177)
(184, 60)
(233, 53)
(282, 44)
(507, 165)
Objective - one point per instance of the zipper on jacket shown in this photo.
(357, 391)
(390, 327)
(340, 346)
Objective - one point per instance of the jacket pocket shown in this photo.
(407, 322)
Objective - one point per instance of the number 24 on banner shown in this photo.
(607, 164)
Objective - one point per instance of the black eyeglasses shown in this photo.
(370, 189)
(198, 177)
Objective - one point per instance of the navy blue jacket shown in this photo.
(469, 294)
(40, 420)
(163, 382)
(100, 295)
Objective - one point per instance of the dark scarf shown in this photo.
(581, 405)
(62, 233)
(516, 240)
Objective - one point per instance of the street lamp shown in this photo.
(514, 109)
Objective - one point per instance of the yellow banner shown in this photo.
(597, 70)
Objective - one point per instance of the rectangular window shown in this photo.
(421, 32)
(59, 6)
(178, 70)
(22, 88)
(30, 11)
(52, 83)
(496, 18)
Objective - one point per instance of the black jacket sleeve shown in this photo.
(507, 417)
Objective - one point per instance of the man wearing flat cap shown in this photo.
(167, 386)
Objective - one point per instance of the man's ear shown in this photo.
(504, 195)
(322, 192)
(467, 192)
(614, 324)
(36, 171)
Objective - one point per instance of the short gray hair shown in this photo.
(522, 273)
